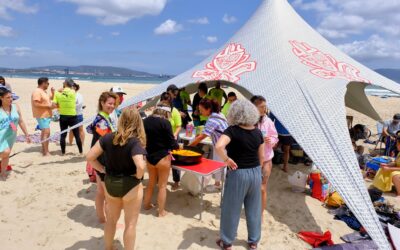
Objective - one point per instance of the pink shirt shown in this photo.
(268, 129)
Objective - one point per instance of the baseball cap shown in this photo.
(14, 96)
(69, 82)
(172, 87)
(396, 117)
(117, 90)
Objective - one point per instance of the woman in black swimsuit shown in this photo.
(125, 163)
(160, 141)
(102, 125)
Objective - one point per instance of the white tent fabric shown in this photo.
(305, 79)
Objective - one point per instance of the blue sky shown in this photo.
(169, 36)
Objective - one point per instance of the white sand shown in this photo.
(47, 203)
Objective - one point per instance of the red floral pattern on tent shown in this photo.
(324, 65)
(227, 65)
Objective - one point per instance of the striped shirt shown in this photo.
(215, 126)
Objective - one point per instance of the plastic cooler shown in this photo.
(376, 162)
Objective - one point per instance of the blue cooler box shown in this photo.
(376, 162)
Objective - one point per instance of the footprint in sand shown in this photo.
(74, 173)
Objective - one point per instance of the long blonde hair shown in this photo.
(130, 125)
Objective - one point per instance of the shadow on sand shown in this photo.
(280, 192)
(93, 243)
(85, 215)
(205, 238)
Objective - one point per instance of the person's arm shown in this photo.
(140, 164)
(92, 156)
(220, 148)
(171, 139)
(37, 104)
(225, 97)
(198, 139)
(178, 123)
(22, 124)
(273, 134)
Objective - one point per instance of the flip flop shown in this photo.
(252, 246)
(223, 246)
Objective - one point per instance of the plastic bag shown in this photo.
(298, 181)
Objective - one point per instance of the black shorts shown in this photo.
(286, 140)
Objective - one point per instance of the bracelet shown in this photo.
(226, 159)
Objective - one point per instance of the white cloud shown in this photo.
(375, 47)
(212, 39)
(367, 30)
(318, 5)
(115, 33)
(15, 51)
(6, 31)
(94, 36)
(355, 16)
(168, 27)
(112, 12)
(201, 20)
(15, 5)
(229, 19)
(204, 53)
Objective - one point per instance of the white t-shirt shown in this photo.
(79, 104)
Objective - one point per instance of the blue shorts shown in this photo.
(44, 123)
(79, 118)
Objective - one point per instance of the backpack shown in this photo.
(334, 200)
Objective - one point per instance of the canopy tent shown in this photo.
(305, 80)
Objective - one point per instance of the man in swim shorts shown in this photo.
(42, 111)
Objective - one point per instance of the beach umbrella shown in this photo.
(307, 82)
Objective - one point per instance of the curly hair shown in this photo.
(243, 112)
(130, 125)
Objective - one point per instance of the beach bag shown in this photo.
(192, 183)
(298, 181)
(334, 200)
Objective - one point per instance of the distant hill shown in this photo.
(81, 70)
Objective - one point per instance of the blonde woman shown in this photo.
(125, 164)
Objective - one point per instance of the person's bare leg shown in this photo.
(396, 183)
(5, 157)
(132, 202)
(150, 187)
(286, 156)
(113, 214)
(82, 135)
(45, 145)
(163, 168)
(100, 200)
(264, 190)
(70, 137)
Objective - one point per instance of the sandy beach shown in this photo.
(48, 203)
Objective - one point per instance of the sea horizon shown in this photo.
(91, 78)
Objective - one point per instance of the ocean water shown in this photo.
(370, 90)
(110, 79)
(378, 91)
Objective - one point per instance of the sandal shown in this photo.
(223, 246)
(252, 246)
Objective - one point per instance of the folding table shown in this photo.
(205, 168)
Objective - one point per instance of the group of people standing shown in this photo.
(244, 140)
(124, 145)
